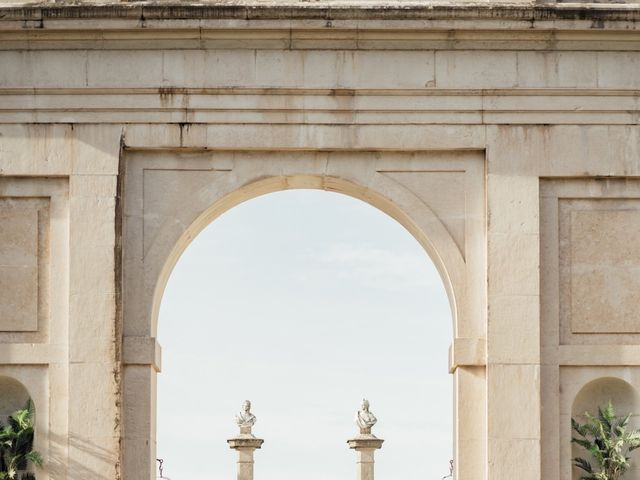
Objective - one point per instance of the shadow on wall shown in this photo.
(625, 399)
(88, 460)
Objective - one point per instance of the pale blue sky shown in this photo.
(304, 302)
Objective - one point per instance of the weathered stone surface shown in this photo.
(18, 268)
(605, 266)
(504, 136)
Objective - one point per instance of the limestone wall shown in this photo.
(506, 139)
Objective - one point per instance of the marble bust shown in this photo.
(365, 419)
(245, 419)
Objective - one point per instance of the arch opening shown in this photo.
(293, 350)
(449, 264)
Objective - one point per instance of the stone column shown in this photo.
(245, 443)
(365, 444)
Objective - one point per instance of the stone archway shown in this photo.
(171, 196)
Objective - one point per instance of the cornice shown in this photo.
(324, 10)
(320, 25)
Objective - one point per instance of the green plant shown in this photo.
(16, 445)
(607, 438)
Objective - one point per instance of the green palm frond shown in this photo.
(608, 441)
(583, 464)
(586, 444)
(35, 458)
(16, 445)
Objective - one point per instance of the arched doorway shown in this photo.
(170, 197)
(305, 301)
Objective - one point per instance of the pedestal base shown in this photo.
(365, 445)
(245, 444)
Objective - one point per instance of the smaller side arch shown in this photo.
(625, 398)
(13, 396)
(597, 393)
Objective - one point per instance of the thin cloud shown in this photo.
(374, 267)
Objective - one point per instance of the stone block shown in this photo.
(93, 186)
(619, 69)
(92, 269)
(139, 403)
(42, 69)
(514, 264)
(513, 402)
(604, 264)
(93, 399)
(276, 68)
(95, 150)
(557, 69)
(184, 68)
(230, 68)
(92, 221)
(564, 150)
(475, 69)
(394, 69)
(513, 203)
(35, 149)
(143, 68)
(503, 160)
(514, 458)
(470, 422)
(514, 329)
(18, 267)
(328, 67)
(92, 326)
(94, 456)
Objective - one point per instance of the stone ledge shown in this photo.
(467, 352)
(31, 354)
(596, 355)
(246, 442)
(319, 107)
(325, 10)
(142, 351)
(365, 442)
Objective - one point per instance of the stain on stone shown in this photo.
(167, 94)
(328, 11)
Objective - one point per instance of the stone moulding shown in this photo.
(319, 107)
(326, 10)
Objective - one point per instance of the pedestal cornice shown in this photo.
(365, 442)
(248, 441)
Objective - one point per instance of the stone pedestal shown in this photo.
(245, 444)
(365, 445)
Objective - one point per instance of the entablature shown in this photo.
(328, 24)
